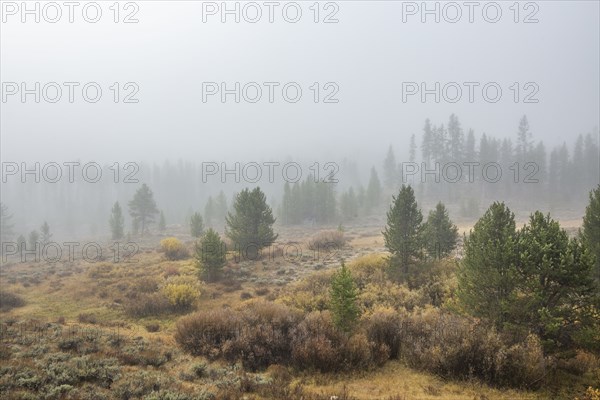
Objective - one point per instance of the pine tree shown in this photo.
(389, 168)
(412, 151)
(349, 205)
(220, 208)
(33, 240)
(556, 287)
(487, 276)
(46, 235)
(210, 255)
(427, 142)
(196, 225)
(21, 243)
(250, 226)
(403, 233)
(470, 153)
(591, 228)
(455, 140)
(117, 222)
(162, 223)
(524, 142)
(142, 208)
(342, 300)
(440, 234)
(373, 195)
(286, 205)
(209, 211)
(592, 160)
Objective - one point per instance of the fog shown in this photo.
(367, 67)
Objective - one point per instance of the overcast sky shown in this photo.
(367, 55)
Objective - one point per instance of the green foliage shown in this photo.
(555, 287)
(487, 275)
(210, 255)
(250, 226)
(209, 211)
(181, 295)
(440, 234)
(46, 235)
(591, 228)
(196, 225)
(342, 302)
(373, 195)
(309, 200)
(33, 240)
(403, 233)
(349, 204)
(142, 208)
(117, 222)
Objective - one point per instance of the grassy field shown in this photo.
(96, 298)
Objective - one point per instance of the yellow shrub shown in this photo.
(173, 248)
(590, 394)
(181, 295)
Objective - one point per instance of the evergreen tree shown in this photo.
(349, 204)
(209, 211)
(487, 275)
(196, 225)
(470, 153)
(342, 300)
(250, 226)
(592, 160)
(427, 142)
(524, 142)
(403, 233)
(556, 289)
(6, 228)
(135, 226)
(286, 205)
(440, 234)
(373, 195)
(412, 151)
(46, 235)
(210, 255)
(21, 243)
(162, 223)
(142, 208)
(455, 140)
(591, 228)
(389, 168)
(33, 240)
(117, 222)
(221, 208)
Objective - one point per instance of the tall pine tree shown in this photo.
(403, 233)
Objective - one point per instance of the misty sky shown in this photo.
(368, 54)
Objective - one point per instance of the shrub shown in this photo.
(87, 318)
(146, 305)
(316, 343)
(207, 332)
(173, 249)
(383, 328)
(264, 337)
(153, 327)
(327, 241)
(9, 301)
(181, 296)
(590, 394)
(458, 347)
